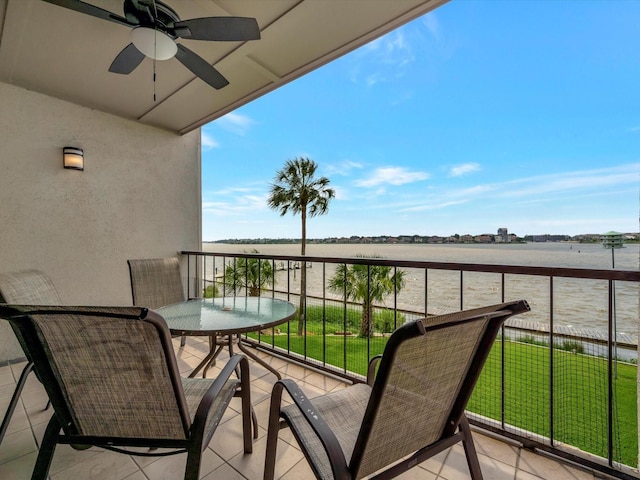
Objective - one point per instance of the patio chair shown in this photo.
(113, 381)
(25, 287)
(156, 282)
(412, 409)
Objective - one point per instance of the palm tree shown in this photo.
(296, 189)
(366, 284)
(252, 274)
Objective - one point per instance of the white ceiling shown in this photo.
(66, 54)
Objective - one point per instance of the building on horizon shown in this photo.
(503, 235)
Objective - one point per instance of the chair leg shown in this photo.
(47, 449)
(248, 414)
(183, 340)
(194, 456)
(272, 432)
(14, 399)
(470, 450)
(254, 419)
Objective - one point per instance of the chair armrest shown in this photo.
(209, 397)
(371, 370)
(317, 423)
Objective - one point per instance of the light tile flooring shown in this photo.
(224, 458)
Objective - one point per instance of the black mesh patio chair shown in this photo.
(113, 381)
(26, 287)
(156, 282)
(412, 409)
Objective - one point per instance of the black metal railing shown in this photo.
(562, 378)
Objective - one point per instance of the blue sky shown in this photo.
(479, 115)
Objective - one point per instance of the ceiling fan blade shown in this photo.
(127, 60)
(232, 29)
(92, 10)
(201, 68)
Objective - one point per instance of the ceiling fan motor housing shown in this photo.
(151, 13)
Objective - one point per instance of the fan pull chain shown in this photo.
(154, 80)
(155, 46)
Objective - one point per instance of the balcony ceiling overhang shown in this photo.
(65, 54)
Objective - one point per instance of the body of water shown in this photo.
(577, 303)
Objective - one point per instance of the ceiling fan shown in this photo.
(155, 28)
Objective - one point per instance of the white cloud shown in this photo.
(341, 193)
(392, 176)
(464, 169)
(433, 26)
(235, 205)
(207, 141)
(540, 187)
(540, 190)
(383, 59)
(372, 79)
(231, 190)
(475, 190)
(235, 123)
(578, 180)
(344, 168)
(433, 206)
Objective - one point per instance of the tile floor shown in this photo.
(224, 459)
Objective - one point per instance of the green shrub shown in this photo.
(210, 291)
(384, 320)
(531, 340)
(333, 317)
(571, 346)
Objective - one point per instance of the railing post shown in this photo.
(344, 321)
(188, 276)
(426, 292)
(551, 349)
(461, 290)
(324, 314)
(289, 298)
(395, 298)
(502, 363)
(610, 377)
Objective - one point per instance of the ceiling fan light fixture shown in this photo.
(154, 43)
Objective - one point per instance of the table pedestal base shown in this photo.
(215, 348)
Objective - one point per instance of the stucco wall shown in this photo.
(138, 197)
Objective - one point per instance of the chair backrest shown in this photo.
(156, 282)
(28, 287)
(107, 370)
(425, 378)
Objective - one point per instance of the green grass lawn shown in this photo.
(579, 383)
(579, 394)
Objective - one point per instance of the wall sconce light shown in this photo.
(73, 158)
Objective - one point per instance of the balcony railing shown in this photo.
(561, 378)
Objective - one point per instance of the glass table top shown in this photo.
(226, 315)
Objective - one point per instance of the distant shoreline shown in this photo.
(630, 238)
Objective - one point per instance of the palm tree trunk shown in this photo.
(302, 312)
(366, 323)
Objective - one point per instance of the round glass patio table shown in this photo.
(226, 316)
